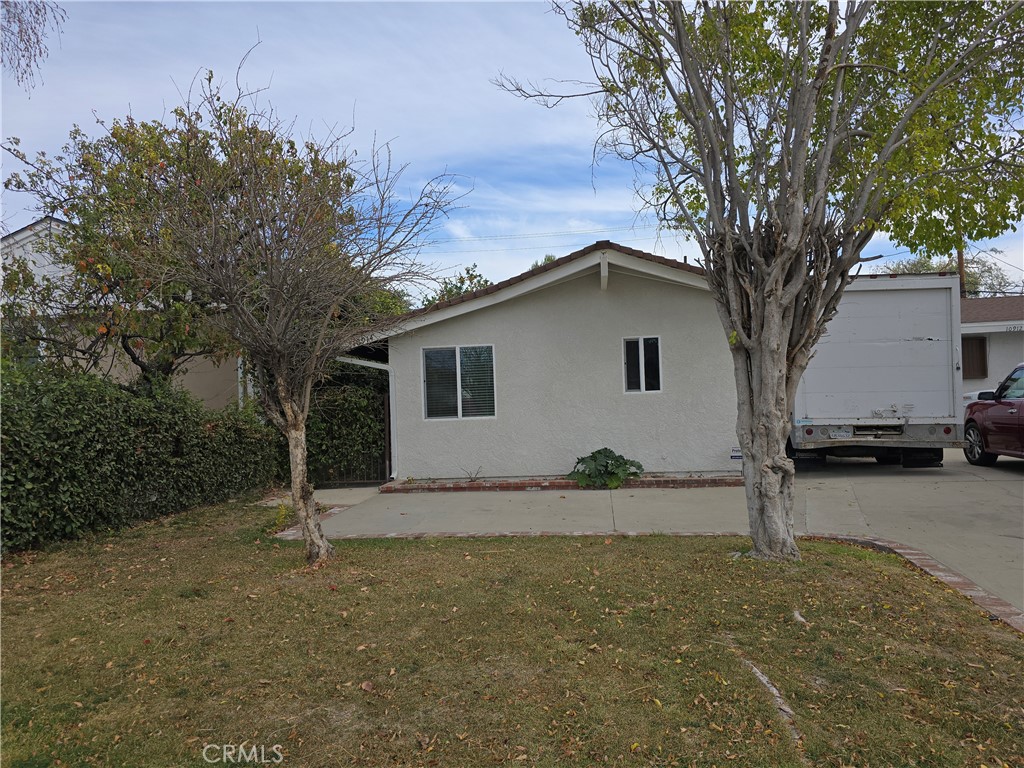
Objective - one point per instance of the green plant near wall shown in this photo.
(604, 468)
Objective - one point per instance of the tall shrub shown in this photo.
(81, 454)
(345, 432)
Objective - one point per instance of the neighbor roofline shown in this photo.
(33, 225)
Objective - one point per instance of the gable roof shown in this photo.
(601, 255)
(45, 223)
(600, 245)
(993, 309)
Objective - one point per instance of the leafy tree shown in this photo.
(548, 258)
(781, 136)
(91, 304)
(26, 24)
(983, 277)
(467, 281)
(298, 246)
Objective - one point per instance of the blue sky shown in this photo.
(415, 74)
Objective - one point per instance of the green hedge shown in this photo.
(344, 433)
(81, 454)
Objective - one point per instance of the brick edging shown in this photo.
(554, 484)
(997, 608)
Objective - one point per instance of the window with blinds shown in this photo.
(458, 382)
(642, 361)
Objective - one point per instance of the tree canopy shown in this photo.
(292, 247)
(94, 303)
(780, 137)
(983, 276)
(466, 281)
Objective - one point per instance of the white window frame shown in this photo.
(643, 378)
(458, 381)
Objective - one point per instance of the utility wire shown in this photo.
(542, 234)
(528, 248)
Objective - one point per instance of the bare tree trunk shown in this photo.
(318, 548)
(762, 426)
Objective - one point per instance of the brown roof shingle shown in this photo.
(992, 309)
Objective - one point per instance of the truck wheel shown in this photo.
(975, 450)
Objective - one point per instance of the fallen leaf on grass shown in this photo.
(366, 685)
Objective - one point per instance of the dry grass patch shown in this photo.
(200, 629)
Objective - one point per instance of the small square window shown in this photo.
(642, 362)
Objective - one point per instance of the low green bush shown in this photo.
(604, 468)
(82, 454)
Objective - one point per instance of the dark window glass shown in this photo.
(1013, 388)
(975, 357)
(476, 365)
(440, 383)
(652, 366)
(632, 354)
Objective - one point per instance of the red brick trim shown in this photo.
(554, 484)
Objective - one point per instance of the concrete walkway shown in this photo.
(969, 518)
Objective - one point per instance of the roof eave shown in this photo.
(547, 275)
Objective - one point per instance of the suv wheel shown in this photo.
(975, 449)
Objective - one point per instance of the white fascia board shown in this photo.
(535, 283)
(996, 326)
(904, 282)
(657, 271)
(553, 277)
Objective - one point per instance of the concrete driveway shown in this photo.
(969, 518)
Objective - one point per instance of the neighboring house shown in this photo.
(28, 243)
(215, 385)
(992, 334)
(608, 346)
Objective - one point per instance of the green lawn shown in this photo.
(143, 648)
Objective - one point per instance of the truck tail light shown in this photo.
(947, 430)
(808, 431)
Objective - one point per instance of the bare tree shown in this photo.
(298, 245)
(26, 25)
(781, 137)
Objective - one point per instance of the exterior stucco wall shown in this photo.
(216, 385)
(559, 384)
(1005, 350)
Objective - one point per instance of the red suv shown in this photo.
(994, 423)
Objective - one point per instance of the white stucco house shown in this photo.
(608, 346)
(992, 334)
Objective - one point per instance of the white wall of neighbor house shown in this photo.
(1004, 348)
(560, 389)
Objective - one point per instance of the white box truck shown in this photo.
(885, 380)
